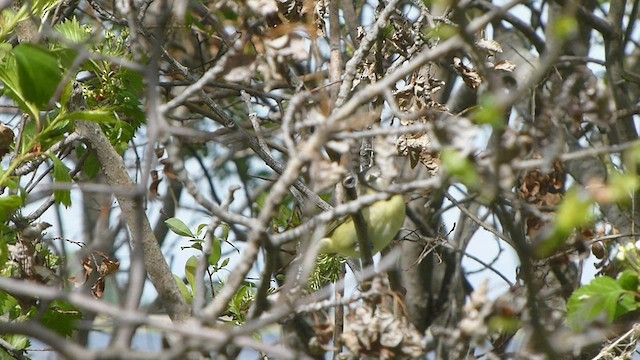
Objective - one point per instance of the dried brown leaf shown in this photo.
(490, 46)
(470, 77)
(505, 65)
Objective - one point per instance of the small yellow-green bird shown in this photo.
(384, 219)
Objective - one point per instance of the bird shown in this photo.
(384, 219)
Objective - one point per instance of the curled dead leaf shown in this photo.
(417, 148)
(377, 332)
(96, 261)
(490, 46)
(505, 65)
(469, 75)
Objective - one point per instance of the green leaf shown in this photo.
(65, 97)
(184, 290)
(628, 280)
(627, 304)
(588, 302)
(241, 301)
(261, 200)
(19, 342)
(576, 210)
(39, 7)
(38, 72)
(284, 214)
(61, 175)
(190, 269)
(10, 79)
(457, 165)
(91, 166)
(61, 318)
(4, 254)
(100, 116)
(489, 112)
(6, 302)
(54, 131)
(8, 206)
(623, 185)
(225, 232)
(178, 227)
(216, 252)
(631, 159)
(200, 228)
(73, 31)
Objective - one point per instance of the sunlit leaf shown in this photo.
(457, 165)
(216, 252)
(200, 228)
(623, 185)
(184, 290)
(73, 31)
(190, 269)
(601, 296)
(575, 210)
(178, 227)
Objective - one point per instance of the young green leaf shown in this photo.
(200, 228)
(190, 269)
(575, 210)
(73, 31)
(457, 165)
(184, 290)
(623, 185)
(19, 342)
(178, 227)
(216, 252)
(602, 295)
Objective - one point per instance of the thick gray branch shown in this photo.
(155, 263)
